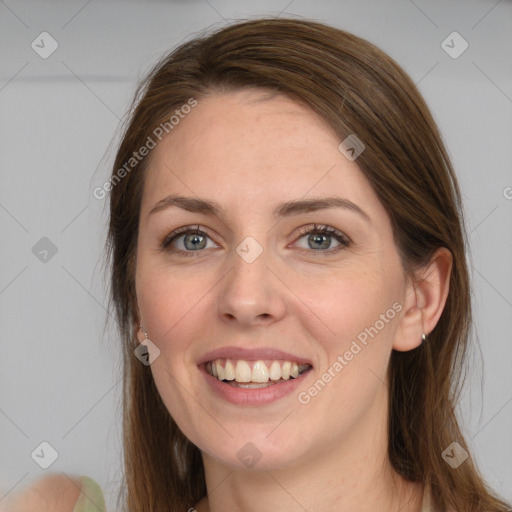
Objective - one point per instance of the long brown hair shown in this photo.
(357, 89)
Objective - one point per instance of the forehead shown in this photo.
(253, 146)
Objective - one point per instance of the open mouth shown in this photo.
(255, 374)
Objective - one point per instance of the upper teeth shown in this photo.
(254, 371)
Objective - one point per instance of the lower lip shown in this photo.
(255, 396)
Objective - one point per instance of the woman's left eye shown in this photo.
(193, 240)
(320, 237)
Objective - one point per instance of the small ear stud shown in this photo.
(142, 335)
(423, 338)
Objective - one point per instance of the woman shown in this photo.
(288, 271)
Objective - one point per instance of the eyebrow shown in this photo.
(211, 208)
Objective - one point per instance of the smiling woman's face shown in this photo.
(253, 280)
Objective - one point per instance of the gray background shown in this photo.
(59, 373)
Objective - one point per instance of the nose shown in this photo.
(251, 293)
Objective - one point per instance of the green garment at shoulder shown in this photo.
(91, 497)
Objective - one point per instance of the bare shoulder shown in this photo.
(55, 493)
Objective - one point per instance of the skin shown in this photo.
(52, 493)
(249, 153)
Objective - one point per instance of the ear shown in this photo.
(424, 300)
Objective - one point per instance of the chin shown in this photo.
(257, 452)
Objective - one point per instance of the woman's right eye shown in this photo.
(190, 240)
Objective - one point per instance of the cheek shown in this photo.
(359, 316)
(351, 304)
(362, 310)
(171, 308)
(166, 305)
(177, 309)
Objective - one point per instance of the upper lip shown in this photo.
(253, 354)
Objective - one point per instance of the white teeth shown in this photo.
(261, 371)
(229, 371)
(243, 372)
(285, 371)
(275, 371)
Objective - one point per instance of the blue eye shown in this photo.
(320, 237)
(194, 240)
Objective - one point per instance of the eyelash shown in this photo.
(319, 230)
